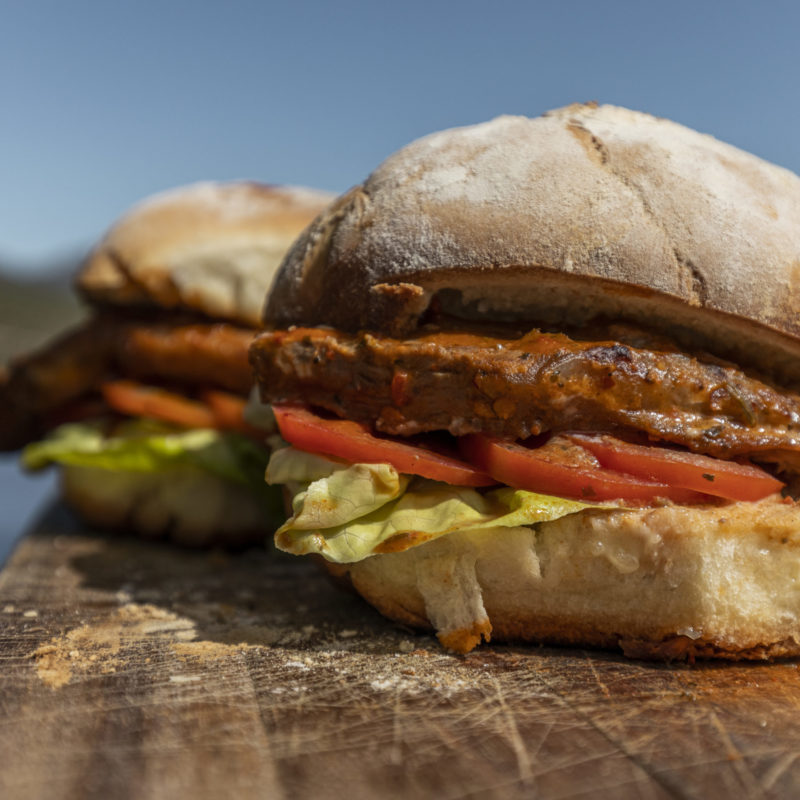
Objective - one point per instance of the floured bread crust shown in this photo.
(186, 506)
(209, 247)
(586, 211)
(666, 583)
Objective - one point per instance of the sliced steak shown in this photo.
(467, 382)
(195, 354)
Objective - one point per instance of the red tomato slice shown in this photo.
(138, 400)
(689, 470)
(354, 442)
(564, 469)
(228, 411)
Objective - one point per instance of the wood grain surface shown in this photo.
(134, 669)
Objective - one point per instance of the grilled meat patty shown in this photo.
(517, 386)
(197, 354)
(184, 352)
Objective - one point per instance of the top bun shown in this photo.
(209, 247)
(587, 211)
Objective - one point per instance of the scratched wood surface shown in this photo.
(132, 669)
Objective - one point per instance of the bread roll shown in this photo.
(208, 247)
(588, 211)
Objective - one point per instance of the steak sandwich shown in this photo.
(538, 378)
(143, 403)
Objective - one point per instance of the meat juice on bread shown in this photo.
(538, 378)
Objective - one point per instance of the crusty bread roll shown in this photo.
(586, 213)
(209, 247)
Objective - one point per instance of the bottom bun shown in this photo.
(666, 583)
(187, 506)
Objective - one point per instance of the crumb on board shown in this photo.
(298, 658)
(94, 648)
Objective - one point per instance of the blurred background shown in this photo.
(104, 103)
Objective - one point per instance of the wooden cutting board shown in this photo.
(132, 669)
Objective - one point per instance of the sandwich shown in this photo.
(143, 405)
(537, 380)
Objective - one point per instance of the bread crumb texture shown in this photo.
(95, 649)
(300, 661)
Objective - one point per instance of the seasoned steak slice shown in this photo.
(76, 364)
(467, 382)
(197, 354)
(37, 384)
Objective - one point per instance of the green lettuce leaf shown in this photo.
(149, 446)
(145, 446)
(288, 465)
(330, 493)
(360, 510)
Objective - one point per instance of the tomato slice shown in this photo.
(564, 469)
(138, 400)
(713, 476)
(353, 441)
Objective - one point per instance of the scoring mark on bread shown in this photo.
(594, 148)
(694, 282)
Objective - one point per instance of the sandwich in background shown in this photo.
(552, 365)
(142, 405)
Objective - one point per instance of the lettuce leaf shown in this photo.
(288, 465)
(145, 446)
(355, 511)
(153, 447)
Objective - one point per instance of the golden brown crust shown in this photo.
(586, 210)
(210, 247)
(682, 648)
(465, 639)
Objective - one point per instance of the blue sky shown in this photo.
(102, 103)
